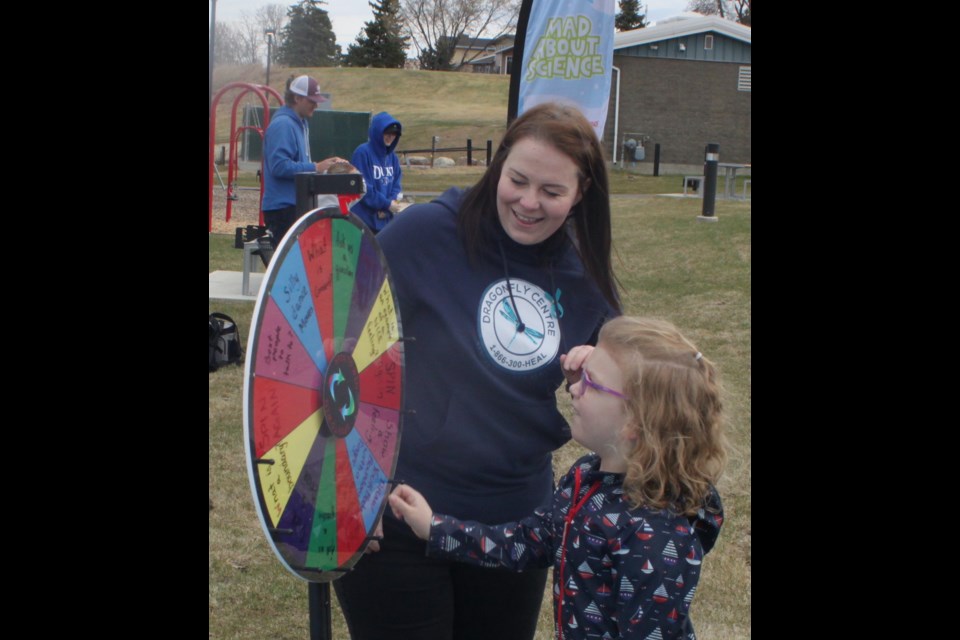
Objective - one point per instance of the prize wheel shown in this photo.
(323, 394)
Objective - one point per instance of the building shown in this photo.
(496, 53)
(681, 83)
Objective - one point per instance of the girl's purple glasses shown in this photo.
(587, 382)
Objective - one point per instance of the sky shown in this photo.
(349, 16)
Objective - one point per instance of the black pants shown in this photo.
(400, 593)
(279, 221)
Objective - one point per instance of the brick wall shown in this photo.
(682, 105)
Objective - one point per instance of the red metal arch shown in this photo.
(261, 91)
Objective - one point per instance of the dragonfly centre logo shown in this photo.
(519, 332)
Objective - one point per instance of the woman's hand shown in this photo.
(572, 362)
(409, 505)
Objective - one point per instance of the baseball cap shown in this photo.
(393, 128)
(308, 87)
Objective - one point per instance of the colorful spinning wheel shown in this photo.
(323, 394)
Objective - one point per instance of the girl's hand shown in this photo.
(572, 362)
(409, 505)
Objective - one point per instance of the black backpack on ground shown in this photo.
(224, 341)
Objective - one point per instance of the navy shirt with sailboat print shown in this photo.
(626, 573)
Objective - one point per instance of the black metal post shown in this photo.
(318, 596)
(711, 159)
(269, 35)
(656, 159)
(213, 33)
(489, 151)
(469, 152)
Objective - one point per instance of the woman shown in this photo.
(494, 284)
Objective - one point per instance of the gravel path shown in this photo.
(243, 211)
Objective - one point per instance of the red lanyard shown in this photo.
(563, 541)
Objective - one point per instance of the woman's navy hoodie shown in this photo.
(381, 173)
(479, 443)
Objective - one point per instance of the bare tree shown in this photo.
(435, 27)
(736, 10)
(272, 17)
(227, 45)
(251, 38)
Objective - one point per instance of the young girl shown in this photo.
(629, 524)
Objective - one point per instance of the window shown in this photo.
(743, 81)
(708, 42)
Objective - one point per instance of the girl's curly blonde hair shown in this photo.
(674, 410)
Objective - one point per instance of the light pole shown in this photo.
(269, 34)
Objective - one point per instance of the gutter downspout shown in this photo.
(616, 115)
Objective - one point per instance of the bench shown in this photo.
(699, 186)
(746, 183)
(251, 263)
(248, 240)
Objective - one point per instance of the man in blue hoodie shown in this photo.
(287, 153)
(380, 167)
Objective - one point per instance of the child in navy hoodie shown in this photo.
(381, 172)
(629, 524)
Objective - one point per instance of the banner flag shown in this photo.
(567, 55)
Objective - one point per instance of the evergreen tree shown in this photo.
(308, 39)
(437, 58)
(383, 46)
(629, 17)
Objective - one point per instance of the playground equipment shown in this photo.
(261, 91)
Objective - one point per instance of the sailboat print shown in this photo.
(670, 553)
(679, 582)
(656, 635)
(660, 595)
(516, 552)
(626, 589)
(672, 616)
(647, 567)
(449, 543)
(604, 590)
(593, 612)
(595, 541)
(646, 531)
(585, 570)
(692, 557)
(611, 519)
(487, 544)
(637, 616)
(618, 549)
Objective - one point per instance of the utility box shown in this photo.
(332, 133)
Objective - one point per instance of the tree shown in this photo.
(435, 27)
(272, 17)
(251, 39)
(384, 45)
(227, 46)
(629, 17)
(308, 39)
(742, 7)
(736, 10)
